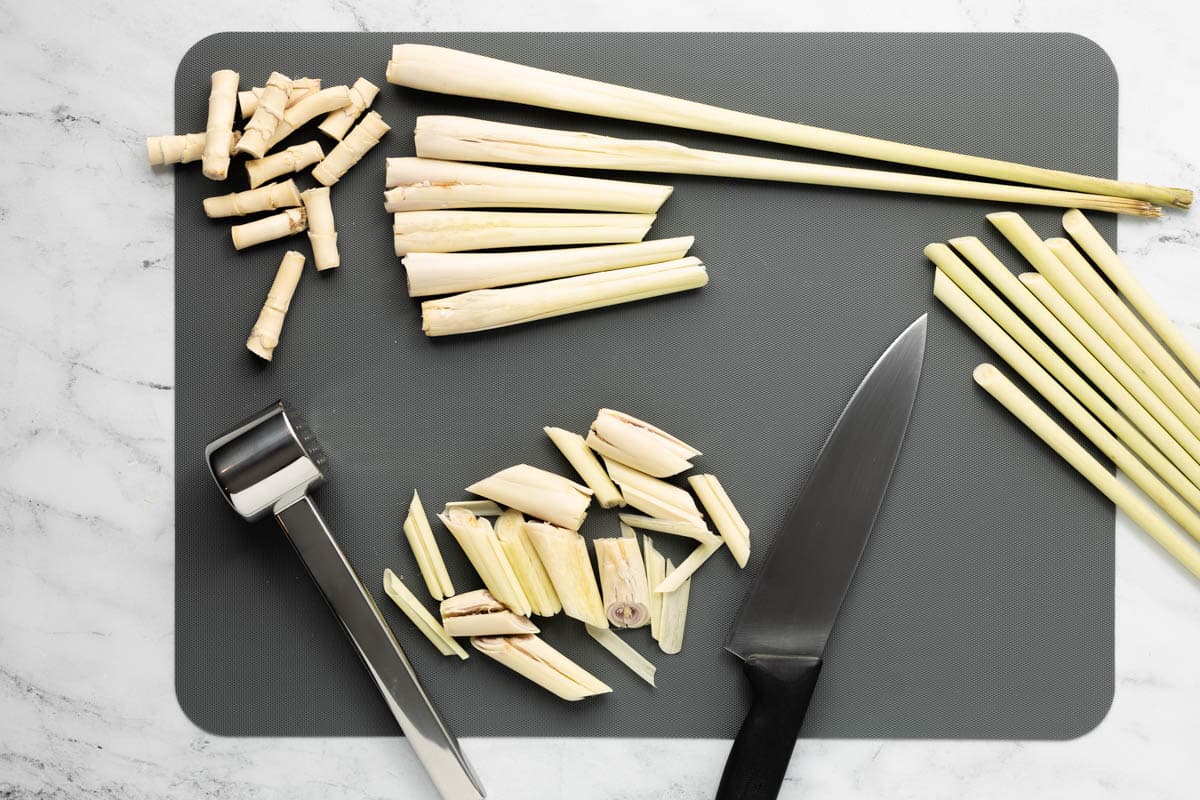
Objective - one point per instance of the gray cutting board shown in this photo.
(984, 604)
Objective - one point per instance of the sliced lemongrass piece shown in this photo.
(674, 615)
(628, 532)
(677, 575)
(672, 526)
(266, 229)
(623, 582)
(639, 444)
(350, 150)
(576, 451)
(293, 159)
(265, 198)
(724, 514)
(264, 336)
(485, 309)
(267, 114)
(407, 602)
(424, 184)
(538, 493)
(453, 231)
(531, 658)
(564, 555)
(624, 652)
(425, 550)
(478, 541)
(218, 132)
(183, 148)
(480, 508)
(444, 273)
(310, 107)
(301, 88)
(654, 496)
(362, 94)
(656, 571)
(477, 613)
(523, 558)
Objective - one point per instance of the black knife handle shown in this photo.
(782, 687)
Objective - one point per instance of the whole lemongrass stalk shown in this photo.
(452, 231)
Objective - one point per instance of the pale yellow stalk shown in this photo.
(480, 508)
(526, 565)
(478, 541)
(407, 602)
(293, 159)
(454, 231)
(537, 661)
(576, 451)
(677, 575)
(181, 149)
(268, 112)
(425, 550)
(477, 613)
(623, 582)
(265, 198)
(623, 652)
(674, 527)
(362, 94)
(264, 336)
(350, 151)
(564, 555)
(654, 496)
(218, 132)
(322, 234)
(724, 514)
(301, 88)
(538, 493)
(656, 571)
(639, 444)
(674, 615)
(267, 229)
(310, 107)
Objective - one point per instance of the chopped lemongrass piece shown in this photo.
(271, 197)
(425, 622)
(293, 159)
(480, 508)
(266, 229)
(576, 451)
(531, 658)
(628, 532)
(477, 613)
(452, 231)
(538, 493)
(564, 555)
(624, 653)
(654, 496)
(623, 582)
(672, 526)
(309, 107)
(526, 565)
(301, 88)
(350, 150)
(639, 444)
(656, 571)
(677, 575)
(424, 184)
(724, 514)
(478, 540)
(425, 550)
(362, 94)
(674, 616)
(445, 273)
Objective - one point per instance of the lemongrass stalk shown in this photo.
(322, 233)
(623, 584)
(526, 565)
(453, 231)
(421, 541)
(312, 106)
(564, 555)
(265, 198)
(576, 451)
(537, 661)
(656, 571)
(538, 493)
(266, 229)
(639, 444)
(654, 496)
(350, 150)
(676, 576)
(480, 508)
(218, 131)
(264, 336)
(674, 615)
(477, 613)
(479, 543)
(362, 94)
(674, 527)
(293, 159)
(268, 112)
(623, 652)
(724, 514)
(183, 148)
(407, 602)
(301, 88)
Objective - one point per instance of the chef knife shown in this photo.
(781, 631)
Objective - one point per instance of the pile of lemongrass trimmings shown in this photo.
(270, 114)
(1108, 359)
(430, 232)
(533, 561)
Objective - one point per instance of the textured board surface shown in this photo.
(983, 607)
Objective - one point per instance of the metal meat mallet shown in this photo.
(268, 465)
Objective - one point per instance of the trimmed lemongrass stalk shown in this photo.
(478, 541)
(183, 148)
(623, 652)
(724, 514)
(532, 658)
(407, 602)
(264, 336)
(268, 112)
(1169, 389)
(418, 184)
(538, 493)
(623, 582)
(485, 309)
(654, 496)
(444, 273)
(218, 132)
(674, 615)
(350, 150)
(265, 198)
(1046, 429)
(465, 139)
(267, 229)
(526, 565)
(293, 159)
(309, 108)
(480, 508)
(564, 555)
(1106, 258)
(978, 321)
(656, 571)
(677, 575)
(576, 451)
(477, 613)
(674, 527)
(639, 444)
(425, 550)
(453, 231)
(1172, 461)
(362, 94)
(322, 235)
(301, 88)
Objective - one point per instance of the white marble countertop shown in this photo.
(87, 703)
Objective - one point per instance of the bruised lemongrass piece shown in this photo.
(465, 139)
(654, 496)
(454, 231)
(677, 575)
(674, 615)
(267, 114)
(623, 582)
(532, 658)
(443, 273)
(425, 550)
(564, 555)
(264, 336)
(674, 527)
(407, 602)
(362, 94)
(480, 508)
(477, 613)
(576, 451)
(218, 132)
(478, 541)
(322, 235)
(350, 150)
(301, 88)
(624, 652)
(416, 184)
(656, 571)
(293, 159)
(724, 514)
(264, 198)
(276, 226)
(309, 108)
(1050, 432)
(526, 565)
(639, 444)
(538, 493)
(485, 309)
(183, 148)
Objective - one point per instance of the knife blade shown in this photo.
(785, 621)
